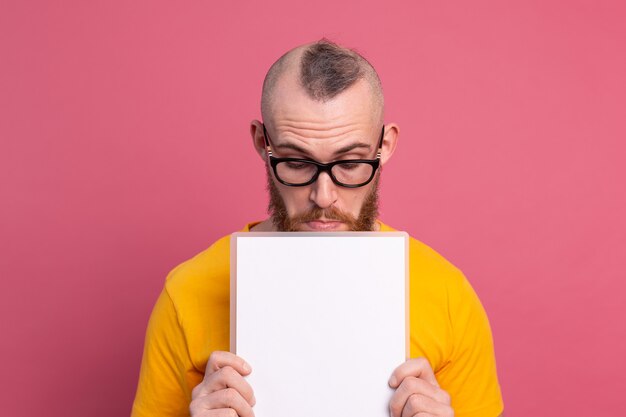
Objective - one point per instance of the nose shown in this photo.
(323, 191)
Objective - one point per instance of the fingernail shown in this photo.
(246, 367)
(393, 381)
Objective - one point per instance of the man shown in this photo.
(324, 142)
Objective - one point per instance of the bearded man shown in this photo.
(324, 142)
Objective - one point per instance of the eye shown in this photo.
(296, 165)
(349, 166)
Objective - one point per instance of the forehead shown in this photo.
(352, 112)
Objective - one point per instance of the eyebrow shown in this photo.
(340, 151)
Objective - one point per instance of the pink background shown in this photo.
(117, 119)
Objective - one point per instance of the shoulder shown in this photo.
(213, 259)
(202, 270)
(199, 289)
(428, 266)
(200, 286)
(427, 259)
(439, 291)
(432, 275)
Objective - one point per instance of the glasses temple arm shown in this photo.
(380, 143)
(267, 143)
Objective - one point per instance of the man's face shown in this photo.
(346, 127)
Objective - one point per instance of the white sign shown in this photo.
(322, 318)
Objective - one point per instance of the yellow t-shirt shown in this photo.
(448, 326)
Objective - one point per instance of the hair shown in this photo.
(325, 70)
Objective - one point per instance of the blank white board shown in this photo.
(322, 318)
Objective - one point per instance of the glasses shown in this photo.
(350, 173)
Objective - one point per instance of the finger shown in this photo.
(226, 398)
(225, 377)
(418, 404)
(410, 386)
(220, 412)
(418, 367)
(219, 359)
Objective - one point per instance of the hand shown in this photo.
(223, 392)
(417, 391)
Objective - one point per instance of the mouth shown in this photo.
(323, 224)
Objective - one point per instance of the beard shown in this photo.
(284, 223)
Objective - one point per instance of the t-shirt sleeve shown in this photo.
(166, 368)
(469, 376)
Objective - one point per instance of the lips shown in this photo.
(323, 224)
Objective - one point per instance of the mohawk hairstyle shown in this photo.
(327, 69)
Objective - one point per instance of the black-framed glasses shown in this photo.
(298, 172)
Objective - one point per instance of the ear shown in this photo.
(258, 139)
(390, 140)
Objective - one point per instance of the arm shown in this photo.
(469, 374)
(166, 368)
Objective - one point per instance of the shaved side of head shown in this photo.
(323, 70)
